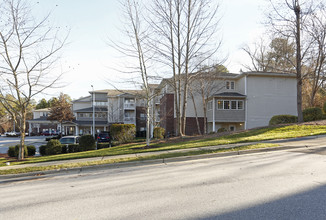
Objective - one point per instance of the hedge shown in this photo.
(312, 114)
(87, 142)
(29, 150)
(103, 145)
(123, 132)
(283, 119)
(159, 133)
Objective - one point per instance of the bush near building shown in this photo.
(283, 119)
(312, 114)
(123, 133)
(159, 133)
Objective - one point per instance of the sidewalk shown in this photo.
(310, 141)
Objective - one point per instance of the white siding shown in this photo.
(269, 96)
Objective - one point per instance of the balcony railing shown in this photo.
(129, 120)
(130, 106)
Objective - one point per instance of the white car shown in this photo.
(69, 140)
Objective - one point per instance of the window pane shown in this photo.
(227, 85)
(240, 104)
(220, 104)
(232, 85)
(226, 104)
(233, 104)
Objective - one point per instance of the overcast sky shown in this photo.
(88, 60)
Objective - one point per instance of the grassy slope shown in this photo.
(243, 137)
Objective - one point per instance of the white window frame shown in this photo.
(230, 104)
(229, 84)
(210, 105)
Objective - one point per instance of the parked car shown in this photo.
(103, 137)
(12, 134)
(69, 140)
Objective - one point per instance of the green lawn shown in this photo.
(243, 137)
(139, 158)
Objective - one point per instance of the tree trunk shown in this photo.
(22, 129)
(297, 11)
(196, 114)
(147, 123)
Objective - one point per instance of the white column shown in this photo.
(76, 130)
(29, 128)
(213, 114)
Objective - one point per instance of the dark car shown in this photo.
(103, 137)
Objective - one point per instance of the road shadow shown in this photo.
(302, 206)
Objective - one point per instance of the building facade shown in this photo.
(232, 101)
(222, 101)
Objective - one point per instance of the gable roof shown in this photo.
(229, 95)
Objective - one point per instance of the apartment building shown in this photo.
(111, 107)
(234, 101)
(224, 100)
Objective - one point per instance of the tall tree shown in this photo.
(316, 64)
(186, 37)
(277, 56)
(136, 30)
(61, 110)
(42, 104)
(28, 50)
(287, 18)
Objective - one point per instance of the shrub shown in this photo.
(312, 114)
(222, 130)
(123, 133)
(72, 148)
(31, 150)
(102, 145)
(324, 107)
(11, 151)
(14, 150)
(87, 142)
(64, 148)
(159, 133)
(42, 150)
(53, 147)
(283, 119)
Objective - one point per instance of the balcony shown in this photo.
(129, 120)
(130, 106)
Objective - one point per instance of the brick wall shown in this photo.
(167, 113)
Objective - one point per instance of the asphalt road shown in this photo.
(273, 185)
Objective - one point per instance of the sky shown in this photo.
(88, 60)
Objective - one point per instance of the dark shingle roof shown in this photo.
(229, 94)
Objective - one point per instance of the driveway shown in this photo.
(6, 142)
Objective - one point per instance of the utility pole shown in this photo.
(93, 104)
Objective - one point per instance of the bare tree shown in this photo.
(186, 37)
(206, 83)
(258, 54)
(278, 55)
(316, 65)
(288, 18)
(28, 51)
(137, 48)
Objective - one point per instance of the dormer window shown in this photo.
(230, 85)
